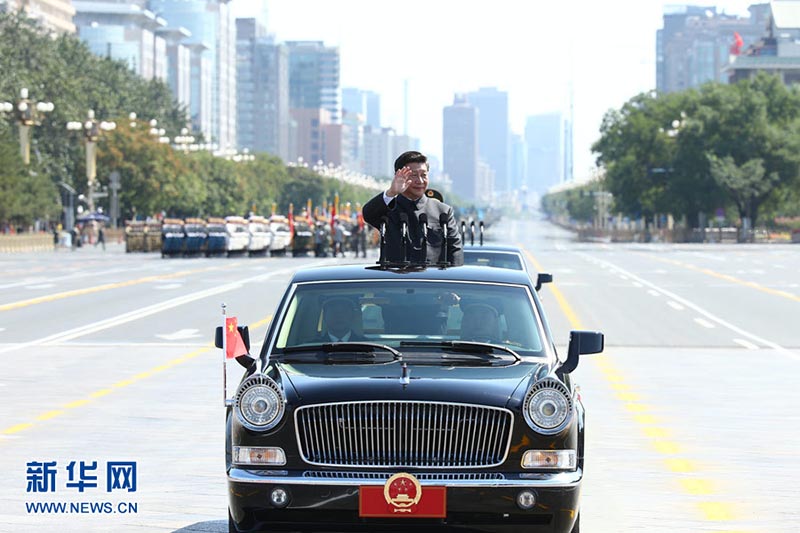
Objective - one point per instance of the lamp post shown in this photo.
(28, 114)
(184, 140)
(92, 129)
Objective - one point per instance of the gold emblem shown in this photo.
(402, 491)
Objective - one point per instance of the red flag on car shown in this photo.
(234, 345)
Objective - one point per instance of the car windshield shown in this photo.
(493, 259)
(411, 316)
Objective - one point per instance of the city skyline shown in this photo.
(539, 54)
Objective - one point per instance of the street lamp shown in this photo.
(183, 140)
(28, 114)
(92, 129)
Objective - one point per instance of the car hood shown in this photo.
(314, 383)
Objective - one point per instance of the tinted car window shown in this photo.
(389, 312)
(493, 259)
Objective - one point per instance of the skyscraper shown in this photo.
(211, 24)
(366, 103)
(126, 32)
(460, 146)
(314, 77)
(544, 136)
(262, 68)
(493, 132)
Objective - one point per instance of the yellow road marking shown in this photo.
(649, 424)
(666, 447)
(728, 277)
(562, 302)
(696, 486)
(118, 385)
(628, 397)
(680, 465)
(655, 432)
(107, 286)
(717, 511)
(637, 407)
(646, 420)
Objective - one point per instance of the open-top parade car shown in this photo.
(398, 398)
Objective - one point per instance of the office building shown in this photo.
(379, 153)
(53, 15)
(212, 25)
(262, 67)
(493, 132)
(126, 32)
(460, 147)
(777, 51)
(366, 103)
(314, 77)
(695, 44)
(544, 137)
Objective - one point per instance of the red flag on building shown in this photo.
(234, 345)
(738, 42)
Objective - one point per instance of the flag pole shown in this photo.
(224, 356)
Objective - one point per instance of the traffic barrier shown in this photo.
(26, 242)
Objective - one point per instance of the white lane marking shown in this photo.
(775, 346)
(660, 271)
(141, 313)
(747, 344)
(81, 274)
(181, 334)
(637, 284)
(675, 305)
(653, 293)
(624, 278)
(167, 286)
(41, 286)
(705, 323)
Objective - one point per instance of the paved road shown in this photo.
(691, 411)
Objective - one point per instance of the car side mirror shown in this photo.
(581, 343)
(244, 360)
(543, 278)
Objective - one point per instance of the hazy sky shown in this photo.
(531, 49)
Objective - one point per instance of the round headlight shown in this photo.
(259, 403)
(548, 406)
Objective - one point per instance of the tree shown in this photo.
(746, 184)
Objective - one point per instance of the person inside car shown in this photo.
(481, 323)
(340, 319)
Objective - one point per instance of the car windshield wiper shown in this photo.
(344, 347)
(482, 348)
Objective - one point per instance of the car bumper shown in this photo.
(477, 504)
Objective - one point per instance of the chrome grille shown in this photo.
(403, 434)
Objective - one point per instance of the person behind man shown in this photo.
(405, 201)
(480, 323)
(339, 321)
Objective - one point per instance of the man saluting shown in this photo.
(407, 208)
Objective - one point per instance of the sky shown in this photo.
(600, 52)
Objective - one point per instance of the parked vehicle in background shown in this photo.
(281, 236)
(216, 237)
(196, 234)
(173, 237)
(134, 236)
(152, 236)
(303, 240)
(238, 236)
(260, 235)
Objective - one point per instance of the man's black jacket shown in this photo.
(376, 209)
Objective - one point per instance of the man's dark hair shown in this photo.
(409, 157)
